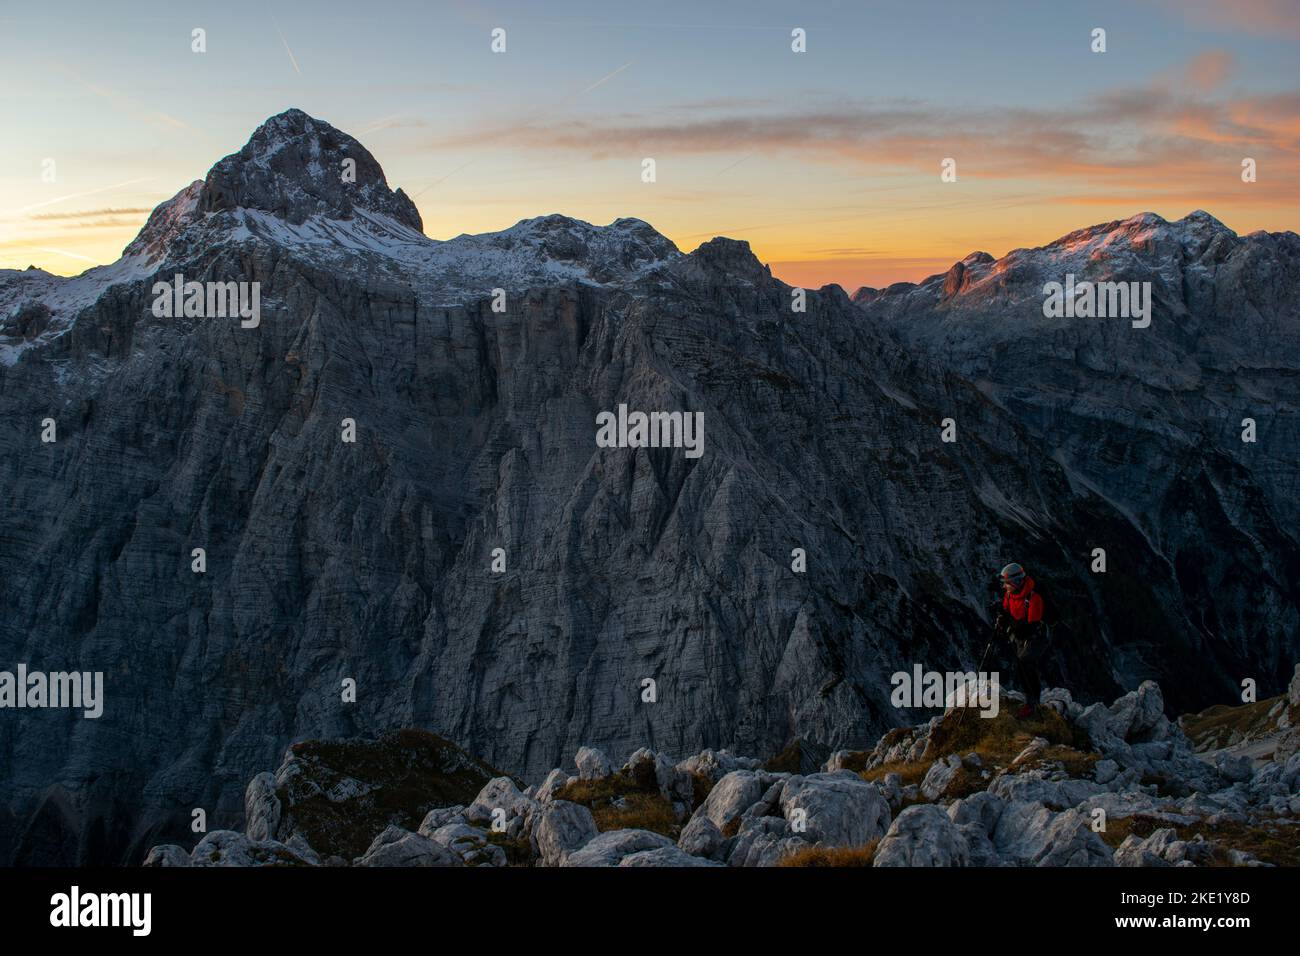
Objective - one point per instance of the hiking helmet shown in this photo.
(1012, 574)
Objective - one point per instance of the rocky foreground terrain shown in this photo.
(1072, 786)
(372, 561)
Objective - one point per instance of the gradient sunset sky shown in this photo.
(827, 161)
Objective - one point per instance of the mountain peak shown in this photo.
(295, 166)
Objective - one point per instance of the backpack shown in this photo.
(1051, 613)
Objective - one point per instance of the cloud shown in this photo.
(1269, 18)
(93, 213)
(1208, 70)
(1132, 137)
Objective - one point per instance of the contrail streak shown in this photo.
(286, 45)
(604, 79)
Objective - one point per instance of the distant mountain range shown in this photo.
(473, 370)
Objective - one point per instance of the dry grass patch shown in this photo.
(619, 802)
(1223, 725)
(640, 811)
(1270, 840)
(997, 741)
(909, 772)
(818, 856)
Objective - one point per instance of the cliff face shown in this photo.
(475, 430)
(1152, 418)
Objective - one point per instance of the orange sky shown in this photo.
(827, 162)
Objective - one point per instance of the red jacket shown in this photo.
(1024, 605)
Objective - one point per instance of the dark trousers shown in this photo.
(1028, 653)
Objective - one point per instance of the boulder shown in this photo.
(981, 808)
(167, 854)
(398, 847)
(664, 856)
(836, 809)
(922, 835)
(715, 764)
(555, 781)
(1234, 767)
(1034, 787)
(261, 808)
(229, 848)
(939, 775)
(1137, 851)
(700, 837)
(764, 841)
(731, 796)
(500, 793)
(1029, 834)
(561, 827)
(592, 764)
(470, 844)
(609, 848)
(436, 819)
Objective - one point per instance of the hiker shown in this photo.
(1020, 621)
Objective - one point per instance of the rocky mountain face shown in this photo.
(473, 371)
(1152, 418)
(1117, 785)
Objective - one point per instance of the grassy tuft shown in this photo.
(818, 856)
(620, 802)
(1271, 840)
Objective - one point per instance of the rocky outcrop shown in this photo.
(398, 847)
(612, 847)
(1074, 788)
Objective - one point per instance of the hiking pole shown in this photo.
(978, 671)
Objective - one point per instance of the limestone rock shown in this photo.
(561, 828)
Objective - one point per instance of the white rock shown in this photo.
(939, 776)
(981, 808)
(1032, 835)
(592, 764)
(501, 793)
(922, 835)
(229, 848)
(839, 809)
(167, 854)
(764, 846)
(1034, 788)
(398, 847)
(731, 796)
(1034, 748)
(299, 845)
(555, 781)
(666, 856)
(437, 818)
(261, 808)
(1136, 851)
(609, 848)
(561, 827)
(700, 837)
